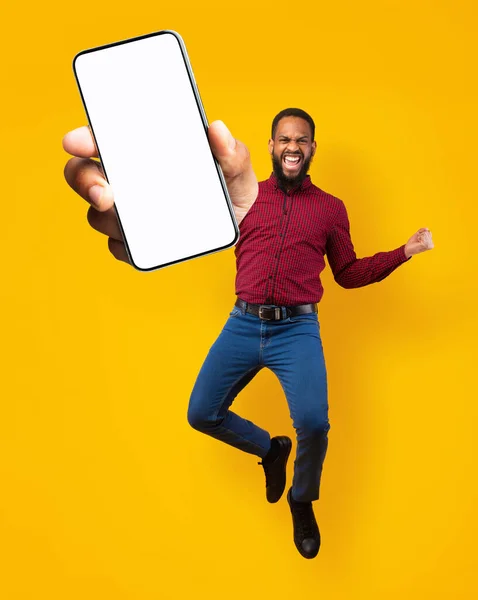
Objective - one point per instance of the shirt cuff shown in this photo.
(399, 255)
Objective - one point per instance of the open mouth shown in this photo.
(292, 161)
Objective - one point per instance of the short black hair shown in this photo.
(293, 112)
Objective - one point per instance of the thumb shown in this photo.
(231, 154)
(235, 162)
(221, 140)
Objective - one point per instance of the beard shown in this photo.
(286, 181)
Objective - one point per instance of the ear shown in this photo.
(271, 146)
(314, 147)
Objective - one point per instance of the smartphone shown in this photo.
(150, 128)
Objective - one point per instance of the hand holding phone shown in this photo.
(158, 229)
(82, 173)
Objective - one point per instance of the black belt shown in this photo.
(272, 312)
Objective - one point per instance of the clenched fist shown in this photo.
(419, 242)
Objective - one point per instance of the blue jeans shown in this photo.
(292, 349)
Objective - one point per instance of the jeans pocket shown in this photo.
(308, 317)
(235, 312)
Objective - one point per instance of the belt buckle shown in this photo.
(277, 312)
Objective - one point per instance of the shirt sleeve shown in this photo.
(350, 271)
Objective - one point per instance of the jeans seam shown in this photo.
(242, 438)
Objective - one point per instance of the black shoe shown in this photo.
(275, 470)
(306, 530)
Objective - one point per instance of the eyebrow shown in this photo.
(286, 137)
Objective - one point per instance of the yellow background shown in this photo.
(106, 492)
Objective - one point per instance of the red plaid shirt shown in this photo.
(284, 238)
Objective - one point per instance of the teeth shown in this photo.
(294, 159)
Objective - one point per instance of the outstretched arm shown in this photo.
(352, 272)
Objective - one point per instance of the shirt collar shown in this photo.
(273, 183)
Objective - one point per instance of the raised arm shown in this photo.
(350, 271)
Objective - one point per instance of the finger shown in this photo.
(235, 162)
(80, 142)
(105, 222)
(222, 143)
(428, 238)
(232, 155)
(118, 250)
(83, 175)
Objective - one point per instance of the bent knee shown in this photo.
(196, 419)
(201, 421)
(314, 426)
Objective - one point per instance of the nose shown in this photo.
(292, 147)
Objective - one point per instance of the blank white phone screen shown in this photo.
(152, 141)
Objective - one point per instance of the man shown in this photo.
(287, 226)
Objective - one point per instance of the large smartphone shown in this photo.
(150, 128)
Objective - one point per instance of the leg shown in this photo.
(230, 365)
(302, 373)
